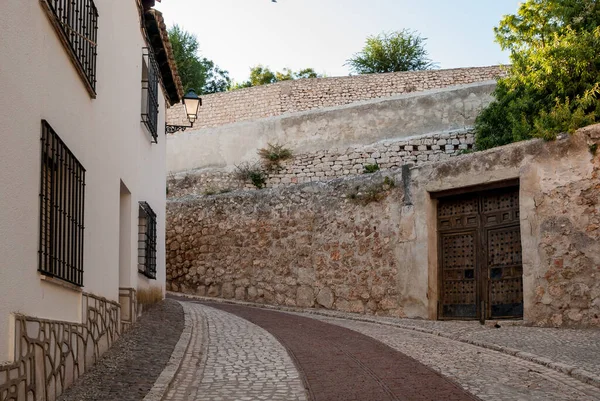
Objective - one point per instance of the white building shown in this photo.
(84, 86)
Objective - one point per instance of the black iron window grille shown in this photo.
(62, 198)
(77, 24)
(150, 77)
(147, 241)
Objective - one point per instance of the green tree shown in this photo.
(196, 72)
(537, 21)
(390, 52)
(307, 73)
(553, 84)
(261, 75)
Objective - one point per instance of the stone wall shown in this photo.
(360, 124)
(330, 163)
(303, 246)
(561, 203)
(364, 245)
(50, 355)
(309, 94)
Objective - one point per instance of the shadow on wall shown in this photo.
(361, 245)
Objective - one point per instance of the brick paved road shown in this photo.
(575, 347)
(342, 364)
(488, 374)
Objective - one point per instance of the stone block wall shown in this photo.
(309, 94)
(360, 244)
(328, 164)
(361, 124)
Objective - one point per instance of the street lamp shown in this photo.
(191, 103)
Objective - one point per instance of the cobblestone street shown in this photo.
(130, 368)
(335, 365)
(230, 358)
(229, 352)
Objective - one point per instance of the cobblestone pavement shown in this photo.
(342, 364)
(488, 374)
(579, 348)
(128, 370)
(568, 349)
(230, 358)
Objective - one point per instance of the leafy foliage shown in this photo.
(273, 155)
(196, 72)
(370, 168)
(261, 75)
(553, 84)
(390, 52)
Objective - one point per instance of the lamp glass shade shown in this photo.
(191, 102)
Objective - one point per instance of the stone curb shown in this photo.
(164, 381)
(573, 371)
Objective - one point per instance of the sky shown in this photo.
(323, 34)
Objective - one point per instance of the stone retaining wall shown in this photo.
(328, 164)
(368, 244)
(309, 94)
(298, 247)
(336, 129)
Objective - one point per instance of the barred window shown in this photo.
(147, 241)
(76, 22)
(150, 79)
(62, 197)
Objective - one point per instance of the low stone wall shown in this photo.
(50, 355)
(369, 244)
(309, 94)
(331, 163)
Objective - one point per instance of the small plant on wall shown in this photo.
(273, 155)
(373, 193)
(370, 168)
(253, 173)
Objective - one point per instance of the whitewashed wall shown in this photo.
(38, 81)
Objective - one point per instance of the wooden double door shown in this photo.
(480, 266)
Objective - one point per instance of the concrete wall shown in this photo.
(310, 94)
(38, 81)
(340, 127)
(363, 245)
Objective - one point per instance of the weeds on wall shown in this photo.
(214, 191)
(373, 193)
(149, 296)
(370, 168)
(273, 155)
(170, 179)
(465, 151)
(593, 149)
(253, 173)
